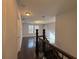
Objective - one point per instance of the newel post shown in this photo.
(37, 47)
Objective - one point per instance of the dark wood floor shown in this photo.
(28, 48)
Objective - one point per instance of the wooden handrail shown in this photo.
(60, 51)
(63, 52)
(54, 48)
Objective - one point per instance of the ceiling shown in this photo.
(44, 10)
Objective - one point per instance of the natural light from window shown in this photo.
(32, 28)
(51, 37)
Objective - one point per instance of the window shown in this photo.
(32, 28)
(51, 37)
(36, 27)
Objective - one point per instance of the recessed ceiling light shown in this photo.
(28, 13)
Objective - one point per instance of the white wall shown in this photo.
(66, 32)
(26, 32)
(19, 32)
(9, 29)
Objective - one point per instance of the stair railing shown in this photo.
(57, 53)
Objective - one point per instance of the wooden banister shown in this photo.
(55, 50)
(60, 51)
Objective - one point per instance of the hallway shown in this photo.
(22, 17)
